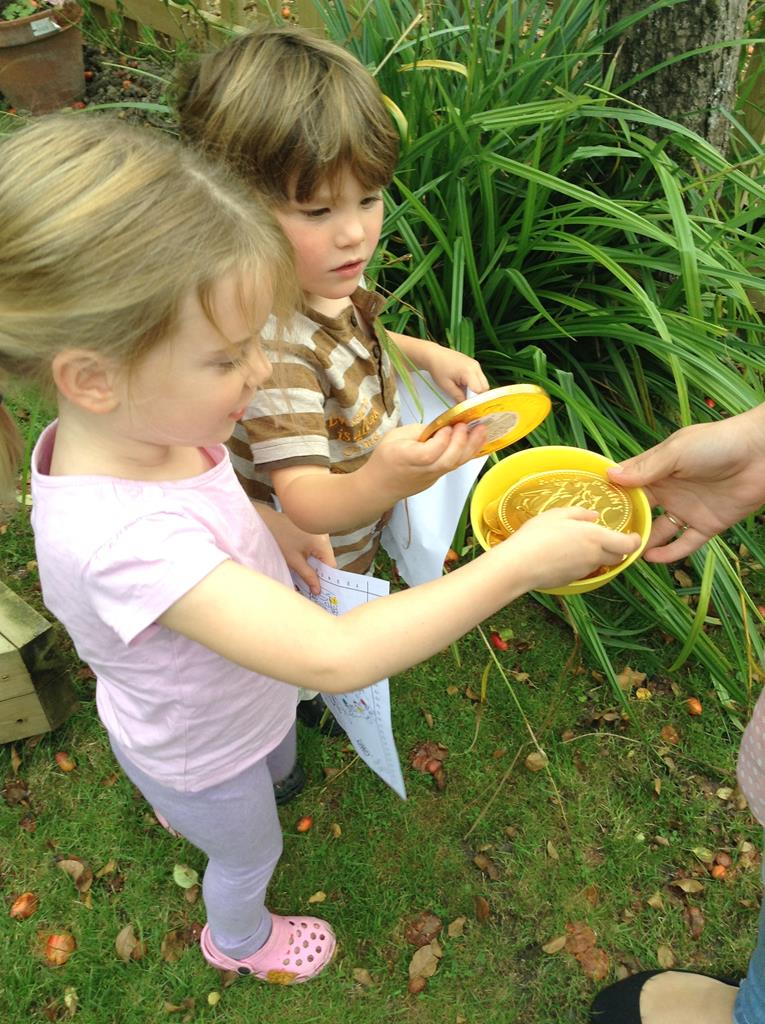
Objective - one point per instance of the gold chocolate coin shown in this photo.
(568, 488)
(491, 517)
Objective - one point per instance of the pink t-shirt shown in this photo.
(113, 556)
(751, 761)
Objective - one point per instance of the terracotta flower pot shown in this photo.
(41, 62)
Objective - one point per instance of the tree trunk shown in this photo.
(695, 91)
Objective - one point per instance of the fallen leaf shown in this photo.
(655, 901)
(423, 929)
(665, 957)
(580, 937)
(428, 718)
(362, 977)
(71, 1000)
(108, 869)
(317, 897)
(423, 753)
(482, 909)
(670, 735)
(591, 895)
(128, 947)
(694, 919)
(175, 942)
(552, 852)
(643, 693)
(595, 963)
(15, 760)
(537, 760)
(57, 947)
(424, 963)
(456, 928)
(335, 829)
(683, 578)
(705, 856)
(78, 871)
(555, 945)
(184, 876)
(186, 1005)
(24, 906)
(628, 678)
(191, 895)
(213, 998)
(487, 865)
(688, 885)
(15, 791)
(724, 793)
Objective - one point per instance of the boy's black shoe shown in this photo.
(316, 715)
(288, 788)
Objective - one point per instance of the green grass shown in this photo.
(598, 806)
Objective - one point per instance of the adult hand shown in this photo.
(705, 478)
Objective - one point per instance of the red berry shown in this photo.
(498, 642)
(78, 105)
(303, 824)
(88, 75)
(710, 402)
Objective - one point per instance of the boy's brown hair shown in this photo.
(287, 110)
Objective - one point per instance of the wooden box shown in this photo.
(35, 694)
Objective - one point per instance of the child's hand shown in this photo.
(454, 372)
(566, 544)
(297, 546)
(401, 465)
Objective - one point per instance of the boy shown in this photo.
(305, 124)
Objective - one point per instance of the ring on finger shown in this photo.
(677, 523)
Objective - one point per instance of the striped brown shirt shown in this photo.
(330, 400)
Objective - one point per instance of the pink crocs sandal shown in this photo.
(297, 949)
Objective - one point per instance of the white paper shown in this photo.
(422, 527)
(364, 714)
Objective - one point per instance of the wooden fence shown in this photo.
(199, 22)
(204, 22)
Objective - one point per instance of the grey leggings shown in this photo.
(236, 825)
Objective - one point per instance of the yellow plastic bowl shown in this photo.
(538, 460)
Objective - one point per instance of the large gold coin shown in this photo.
(565, 488)
(491, 519)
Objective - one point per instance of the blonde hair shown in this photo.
(106, 228)
(288, 110)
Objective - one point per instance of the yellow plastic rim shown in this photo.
(509, 413)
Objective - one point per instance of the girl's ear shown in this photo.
(86, 379)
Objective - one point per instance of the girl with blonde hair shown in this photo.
(136, 279)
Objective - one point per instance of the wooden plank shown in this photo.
(14, 678)
(196, 26)
(32, 671)
(21, 717)
(19, 623)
